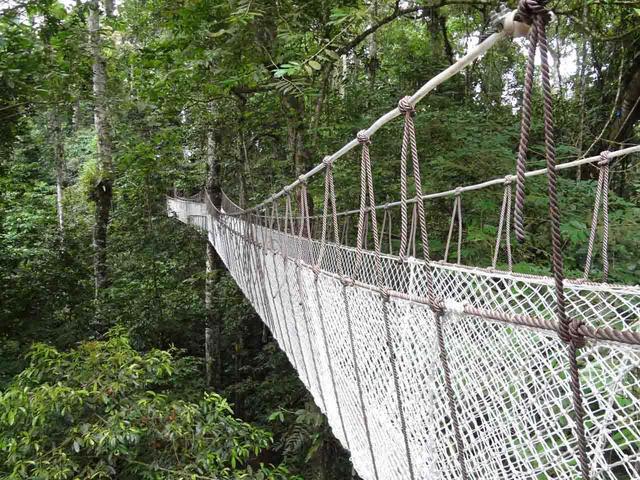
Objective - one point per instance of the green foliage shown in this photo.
(105, 410)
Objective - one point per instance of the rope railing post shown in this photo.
(601, 200)
(329, 197)
(280, 287)
(289, 215)
(456, 212)
(409, 146)
(534, 12)
(367, 191)
(304, 225)
(504, 225)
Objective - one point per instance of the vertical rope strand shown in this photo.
(329, 195)
(567, 329)
(409, 143)
(601, 201)
(369, 191)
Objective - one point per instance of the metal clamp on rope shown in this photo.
(508, 22)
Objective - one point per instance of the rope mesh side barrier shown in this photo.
(500, 332)
(437, 370)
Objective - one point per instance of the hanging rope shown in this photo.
(535, 13)
(305, 228)
(409, 145)
(455, 212)
(602, 198)
(367, 191)
(504, 224)
(527, 10)
(329, 197)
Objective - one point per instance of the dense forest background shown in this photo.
(105, 109)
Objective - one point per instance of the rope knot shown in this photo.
(386, 206)
(405, 106)
(302, 179)
(604, 158)
(577, 338)
(347, 281)
(508, 180)
(363, 138)
(287, 190)
(458, 191)
(327, 161)
(528, 9)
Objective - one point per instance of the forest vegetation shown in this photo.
(107, 305)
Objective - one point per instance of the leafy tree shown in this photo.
(104, 410)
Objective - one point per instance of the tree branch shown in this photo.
(401, 12)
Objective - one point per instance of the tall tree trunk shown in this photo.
(213, 320)
(102, 191)
(58, 156)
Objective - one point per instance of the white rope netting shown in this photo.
(509, 377)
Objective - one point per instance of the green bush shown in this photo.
(105, 410)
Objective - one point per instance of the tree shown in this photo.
(104, 410)
(103, 188)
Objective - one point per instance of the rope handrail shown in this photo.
(507, 30)
(499, 181)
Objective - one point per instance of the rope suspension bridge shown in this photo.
(436, 370)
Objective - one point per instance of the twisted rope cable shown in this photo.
(329, 195)
(409, 143)
(366, 167)
(601, 198)
(567, 329)
(526, 9)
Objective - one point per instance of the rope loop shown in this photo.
(406, 107)
(604, 158)
(302, 179)
(363, 138)
(327, 161)
(528, 9)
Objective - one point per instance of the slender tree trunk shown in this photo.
(58, 157)
(102, 191)
(213, 320)
(583, 88)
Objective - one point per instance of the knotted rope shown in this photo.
(367, 204)
(505, 221)
(329, 197)
(456, 212)
(532, 12)
(409, 146)
(535, 13)
(602, 198)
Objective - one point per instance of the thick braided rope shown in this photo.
(405, 107)
(366, 166)
(526, 9)
(409, 142)
(602, 198)
(505, 214)
(567, 329)
(363, 139)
